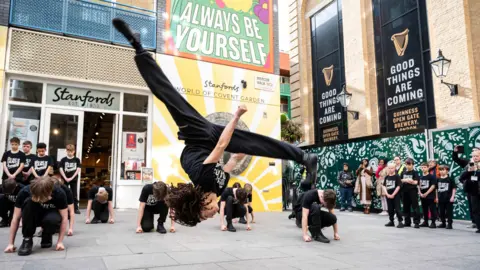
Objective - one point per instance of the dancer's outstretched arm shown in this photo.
(225, 137)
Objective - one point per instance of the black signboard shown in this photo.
(403, 73)
(328, 74)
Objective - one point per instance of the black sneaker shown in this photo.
(311, 162)
(424, 225)
(407, 225)
(292, 215)
(416, 226)
(400, 225)
(77, 212)
(321, 238)
(95, 220)
(230, 228)
(161, 229)
(442, 226)
(449, 226)
(122, 27)
(46, 241)
(390, 224)
(242, 220)
(26, 247)
(3, 224)
(433, 225)
(474, 226)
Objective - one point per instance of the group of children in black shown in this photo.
(408, 186)
(31, 196)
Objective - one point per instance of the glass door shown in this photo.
(62, 127)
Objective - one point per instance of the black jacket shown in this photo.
(343, 176)
(469, 186)
(460, 161)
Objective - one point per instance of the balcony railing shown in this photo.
(285, 89)
(83, 18)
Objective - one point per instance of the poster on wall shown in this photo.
(229, 32)
(133, 147)
(25, 130)
(215, 91)
(147, 175)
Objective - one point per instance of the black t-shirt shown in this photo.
(147, 197)
(58, 201)
(13, 161)
(70, 165)
(68, 193)
(391, 183)
(41, 164)
(409, 175)
(426, 182)
(12, 197)
(227, 192)
(309, 198)
(28, 162)
(94, 190)
(445, 189)
(210, 177)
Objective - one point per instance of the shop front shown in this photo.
(109, 128)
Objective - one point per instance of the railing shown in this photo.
(83, 18)
(285, 89)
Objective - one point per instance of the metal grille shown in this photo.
(83, 18)
(34, 52)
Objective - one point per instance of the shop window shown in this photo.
(135, 103)
(24, 91)
(285, 80)
(23, 123)
(134, 146)
(284, 105)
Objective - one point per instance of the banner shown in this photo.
(230, 32)
(216, 91)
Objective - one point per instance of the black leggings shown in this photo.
(194, 129)
(148, 216)
(100, 211)
(34, 215)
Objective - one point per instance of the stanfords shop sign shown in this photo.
(82, 98)
(229, 32)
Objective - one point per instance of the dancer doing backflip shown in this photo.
(205, 143)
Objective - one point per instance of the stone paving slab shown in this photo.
(274, 243)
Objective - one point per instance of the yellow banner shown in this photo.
(215, 91)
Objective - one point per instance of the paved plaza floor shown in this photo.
(274, 243)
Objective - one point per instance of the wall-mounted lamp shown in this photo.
(244, 84)
(440, 67)
(344, 98)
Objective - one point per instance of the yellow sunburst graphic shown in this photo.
(217, 90)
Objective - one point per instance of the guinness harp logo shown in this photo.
(400, 40)
(328, 74)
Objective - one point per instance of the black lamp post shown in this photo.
(440, 67)
(344, 98)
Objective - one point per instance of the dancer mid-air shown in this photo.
(205, 143)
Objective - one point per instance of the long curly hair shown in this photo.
(187, 203)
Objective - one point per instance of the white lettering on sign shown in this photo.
(401, 78)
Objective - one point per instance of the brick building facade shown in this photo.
(447, 25)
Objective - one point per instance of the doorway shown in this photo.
(97, 160)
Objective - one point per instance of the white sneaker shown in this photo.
(383, 213)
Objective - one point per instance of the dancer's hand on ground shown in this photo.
(70, 232)
(336, 236)
(87, 221)
(172, 229)
(10, 249)
(60, 246)
(249, 228)
(307, 238)
(223, 228)
(139, 229)
(241, 110)
(111, 221)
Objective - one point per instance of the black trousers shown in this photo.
(317, 218)
(429, 204)
(34, 215)
(469, 201)
(475, 200)
(194, 129)
(410, 200)
(148, 216)
(394, 208)
(446, 211)
(100, 211)
(6, 208)
(233, 210)
(73, 187)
